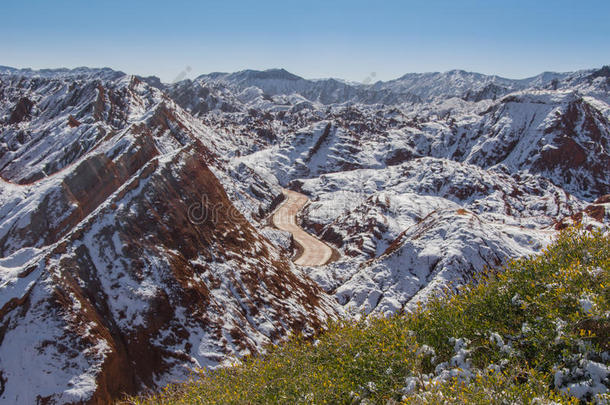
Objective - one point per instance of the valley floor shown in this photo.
(314, 252)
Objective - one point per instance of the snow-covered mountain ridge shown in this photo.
(118, 272)
(110, 284)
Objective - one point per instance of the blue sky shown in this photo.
(345, 39)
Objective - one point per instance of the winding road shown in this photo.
(314, 252)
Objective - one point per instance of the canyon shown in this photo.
(149, 229)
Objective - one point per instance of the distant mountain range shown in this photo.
(409, 88)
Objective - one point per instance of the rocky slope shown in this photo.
(125, 264)
(418, 196)
(134, 237)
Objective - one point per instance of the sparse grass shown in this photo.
(519, 326)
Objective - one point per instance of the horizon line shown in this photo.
(71, 69)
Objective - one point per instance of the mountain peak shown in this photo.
(269, 74)
(251, 74)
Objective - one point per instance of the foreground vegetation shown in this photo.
(536, 331)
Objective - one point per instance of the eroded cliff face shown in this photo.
(138, 293)
(128, 266)
(58, 204)
(560, 135)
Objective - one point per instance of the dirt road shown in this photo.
(315, 252)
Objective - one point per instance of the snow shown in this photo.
(459, 367)
(395, 202)
(35, 368)
(587, 304)
(585, 381)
